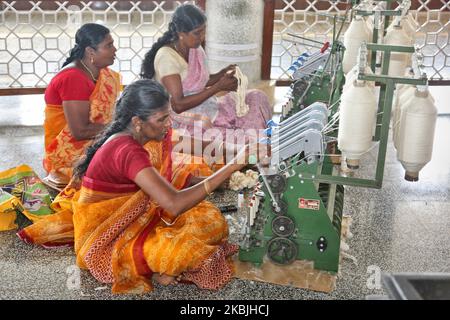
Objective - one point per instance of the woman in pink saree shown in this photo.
(178, 61)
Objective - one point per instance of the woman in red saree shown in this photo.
(80, 101)
(133, 215)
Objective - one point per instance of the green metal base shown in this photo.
(316, 213)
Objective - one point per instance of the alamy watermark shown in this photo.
(374, 280)
(222, 145)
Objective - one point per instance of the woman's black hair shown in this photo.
(142, 98)
(89, 35)
(186, 18)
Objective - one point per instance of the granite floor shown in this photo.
(402, 227)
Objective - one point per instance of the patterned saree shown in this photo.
(61, 149)
(122, 237)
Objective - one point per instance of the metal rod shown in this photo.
(304, 38)
(274, 202)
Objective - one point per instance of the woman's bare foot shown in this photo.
(164, 279)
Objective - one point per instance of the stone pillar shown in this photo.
(234, 36)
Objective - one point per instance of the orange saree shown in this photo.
(122, 237)
(61, 149)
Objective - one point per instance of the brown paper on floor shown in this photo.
(299, 274)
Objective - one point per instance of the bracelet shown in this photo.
(206, 186)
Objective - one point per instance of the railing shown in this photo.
(304, 18)
(36, 36)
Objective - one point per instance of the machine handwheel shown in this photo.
(281, 251)
(277, 183)
(283, 226)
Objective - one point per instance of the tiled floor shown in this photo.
(402, 227)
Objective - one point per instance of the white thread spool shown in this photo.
(356, 33)
(405, 95)
(410, 29)
(416, 134)
(402, 95)
(398, 61)
(405, 23)
(352, 75)
(357, 120)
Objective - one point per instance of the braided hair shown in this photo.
(186, 18)
(142, 98)
(89, 35)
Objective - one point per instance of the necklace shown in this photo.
(182, 53)
(88, 70)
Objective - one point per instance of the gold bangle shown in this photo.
(206, 186)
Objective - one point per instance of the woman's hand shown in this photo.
(231, 68)
(227, 82)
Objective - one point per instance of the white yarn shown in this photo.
(405, 23)
(239, 96)
(403, 94)
(416, 132)
(398, 61)
(239, 180)
(357, 118)
(410, 26)
(356, 33)
(352, 75)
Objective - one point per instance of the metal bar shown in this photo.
(355, 182)
(20, 91)
(305, 44)
(373, 58)
(384, 71)
(386, 13)
(390, 48)
(384, 79)
(384, 132)
(304, 38)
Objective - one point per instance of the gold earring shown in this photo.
(92, 60)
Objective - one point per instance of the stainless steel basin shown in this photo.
(417, 286)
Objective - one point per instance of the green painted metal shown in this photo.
(386, 95)
(313, 226)
(317, 227)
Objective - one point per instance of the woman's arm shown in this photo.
(176, 202)
(209, 149)
(77, 116)
(181, 103)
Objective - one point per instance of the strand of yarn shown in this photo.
(239, 96)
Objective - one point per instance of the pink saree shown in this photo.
(218, 112)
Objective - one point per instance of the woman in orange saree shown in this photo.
(133, 217)
(80, 101)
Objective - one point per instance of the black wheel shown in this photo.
(283, 226)
(277, 183)
(281, 251)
